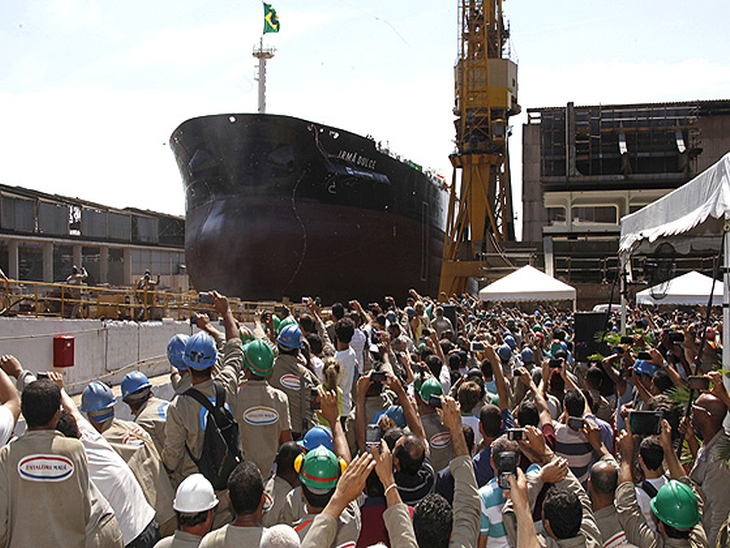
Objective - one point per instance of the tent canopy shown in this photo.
(697, 208)
(527, 284)
(692, 288)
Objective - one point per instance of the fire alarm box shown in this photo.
(63, 351)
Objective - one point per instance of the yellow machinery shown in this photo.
(486, 96)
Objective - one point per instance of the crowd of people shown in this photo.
(386, 425)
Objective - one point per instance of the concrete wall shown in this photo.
(104, 350)
(534, 214)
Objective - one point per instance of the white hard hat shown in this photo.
(195, 494)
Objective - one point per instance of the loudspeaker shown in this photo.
(450, 313)
(587, 324)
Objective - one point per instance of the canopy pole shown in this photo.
(622, 291)
(726, 297)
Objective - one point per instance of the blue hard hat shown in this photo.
(200, 351)
(98, 397)
(290, 337)
(643, 366)
(175, 349)
(510, 340)
(136, 380)
(410, 311)
(316, 436)
(527, 355)
(395, 412)
(504, 352)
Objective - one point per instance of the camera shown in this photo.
(314, 397)
(372, 435)
(676, 337)
(434, 401)
(645, 423)
(205, 298)
(507, 467)
(698, 383)
(627, 340)
(377, 376)
(516, 434)
(477, 346)
(555, 363)
(643, 355)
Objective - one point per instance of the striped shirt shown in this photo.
(492, 499)
(573, 446)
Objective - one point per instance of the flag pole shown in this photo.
(262, 54)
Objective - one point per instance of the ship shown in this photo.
(281, 208)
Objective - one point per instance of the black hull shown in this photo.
(280, 207)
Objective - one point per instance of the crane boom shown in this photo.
(486, 96)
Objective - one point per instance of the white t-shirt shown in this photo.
(348, 366)
(358, 342)
(116, 482)
(7, 423)
(643, 499)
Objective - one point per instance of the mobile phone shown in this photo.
(372, 434)
(516, 434)
(477, 346)
(555, 363)
(676, 337)
(377, 376)
(280, 310)
(434, 401)
(42, 375)
(643, 355)
(193, 320)
(314, 398)
(698, 383)
(508, 467)
(645, 423)
(627, 340)
(205, 298)
(318, 301)
(576, 423)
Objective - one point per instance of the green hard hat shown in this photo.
(289, 320)
(277, 321)
(245, 334)
(320, 470)
(537, 328)
(259, 358)
(430, 387)
(676, 504)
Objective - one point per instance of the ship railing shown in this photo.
(40, 299)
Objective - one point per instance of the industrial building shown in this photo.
(584, 167)
(42, 236)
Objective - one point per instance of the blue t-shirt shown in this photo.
(492, 500)
(482, 461)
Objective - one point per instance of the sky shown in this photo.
(91, 90)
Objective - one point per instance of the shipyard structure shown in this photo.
(585, 167)
(42, 236)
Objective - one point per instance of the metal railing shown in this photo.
(38, 299)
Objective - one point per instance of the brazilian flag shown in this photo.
(271, 21)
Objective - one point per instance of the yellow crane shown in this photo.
(486, 96)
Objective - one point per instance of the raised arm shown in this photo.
(8, 394)
(331, 412)
(220, 303)
(491, 354)
(413, 421)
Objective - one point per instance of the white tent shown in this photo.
(696, 216)
(692, 288)
(528, 284)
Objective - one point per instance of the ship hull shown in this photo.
(279, 207)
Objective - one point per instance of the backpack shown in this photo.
(221, 446)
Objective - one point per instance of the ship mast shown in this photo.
(262, 54)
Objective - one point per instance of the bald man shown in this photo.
(602, 484)
(711, 474)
